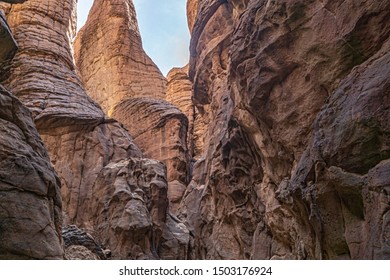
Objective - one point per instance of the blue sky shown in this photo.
(163, 27)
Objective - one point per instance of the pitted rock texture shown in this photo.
(81, 140)
(179, 93)
(30, 198)
(72, 131)
(110, 57)
(159, 129)
(42, 74)
(79, 153)
(294, 99)
(296, 163)
(346, 166)
(131, 204)
(117, 72)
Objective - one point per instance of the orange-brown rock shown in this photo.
(110, 57)
(133, 218)
(296, 163)
(179, 93)
(120, 76)
(192, 10)
(159, 128)
(45, 85)
(81, 140)
(30, 198)
(294, 103)
(72, 126)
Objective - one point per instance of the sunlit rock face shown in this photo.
(82, 141)
(289, 158)
(179, 93)
(119, 75)
(296, 161)
(160, 129)
(110, 57)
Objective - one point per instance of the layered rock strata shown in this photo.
(296, 164)
(160, 130)
(30, 198)
(110, 57)
(179, 93)
(294, 97)
(119, 75)
(81, 140)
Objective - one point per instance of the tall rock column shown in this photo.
(110, 57)
(30, 198)
(179, 93)
(119, 75)
(89, 150)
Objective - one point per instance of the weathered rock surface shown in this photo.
(294, 103)
(159, 129)
(192, 10)
(131, 204)
(120, 76)
(72, 126)
(30, 198)
(296, 163)
(42, 74)
(81, 140)
(346, 166)
(110, 57)
(80, 245)
(179, 93)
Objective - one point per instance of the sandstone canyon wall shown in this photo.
(30, 199)
(92, 153)
(179, 93)
(274, 143)
(296, 162)
(119, 75)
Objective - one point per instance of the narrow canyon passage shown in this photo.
(271, 143)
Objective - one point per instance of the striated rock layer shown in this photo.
(119, 75)
(81, 140)
(296, 161)
(179, 93)
(110, 57)
(160, 130)
(30, 198)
